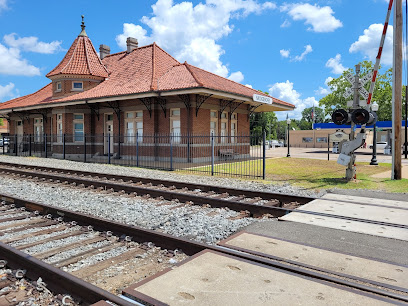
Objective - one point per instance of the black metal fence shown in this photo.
(241, 156)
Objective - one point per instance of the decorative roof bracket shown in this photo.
(115, 106)
(94, 108)
(148, 103)
(22, 115)
(234, 107)
(252, 108)
(186, 100)
(200, 99)
(224, 104)
(162, 102)
(5, 117)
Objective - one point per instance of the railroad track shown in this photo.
(49, 234)
(249, 203)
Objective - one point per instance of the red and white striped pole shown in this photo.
(380, 49)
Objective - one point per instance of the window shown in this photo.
(38, 129)
(134, 126)
(59, 128)
(233, 127)
(175, 126)
(224, 127)
(321, 139)
(78, 127)
(58, 86)
(307, 139)
(77, 86)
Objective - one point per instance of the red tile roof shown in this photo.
(145, 69)
(81, 59)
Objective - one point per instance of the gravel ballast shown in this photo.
(208, 225)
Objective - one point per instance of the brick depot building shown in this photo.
(141, 91)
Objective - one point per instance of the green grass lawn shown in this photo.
(318, 174)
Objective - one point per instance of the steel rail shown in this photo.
(255, 210)
(188, 247)
(56, 279)
(281, 197)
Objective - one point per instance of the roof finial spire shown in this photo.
(83, 33)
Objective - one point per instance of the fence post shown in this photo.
(137, 149)
(84, 148)
(109, 151)
(4, 144)
(263, 154)
(63, 146)
(15, 144)
(171, 154)
(212, 153)
(328, 147)
(45, 145)
(29, 146)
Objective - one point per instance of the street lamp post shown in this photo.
(288, 142)
(374, 108)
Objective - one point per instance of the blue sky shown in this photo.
(288, 48)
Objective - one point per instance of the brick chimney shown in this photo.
(104, 50)
(131, 44)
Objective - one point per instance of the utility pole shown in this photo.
(397, 93)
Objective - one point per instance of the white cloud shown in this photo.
(236, 76)
(299, 58)
(7, 91)
(284, 53)
(248, 85)
(335, 65)
(287, 93)
(191, 32)
(320, 19)
(369, 42)
(324, 91)
(32, 44)
(11, 63)
(3, 5)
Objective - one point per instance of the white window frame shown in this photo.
(77, 89)
(136, 118)
(78, 121)
(224, 132)
(60, 128)
(234, 130)
(176, 137)
(38, 129)
(56, 87)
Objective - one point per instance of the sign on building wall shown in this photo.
(338, 136)
(263, 99)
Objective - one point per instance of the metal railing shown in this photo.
(240, 156)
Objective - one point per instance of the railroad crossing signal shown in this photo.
(361, 90)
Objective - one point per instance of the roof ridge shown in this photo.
(73, 52)
(166, 52)
(100, 61)
(87, 57)
(192, 74)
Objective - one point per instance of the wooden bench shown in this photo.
(227, 153)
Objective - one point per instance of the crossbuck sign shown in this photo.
(361, 90)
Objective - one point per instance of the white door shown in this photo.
(108, 133)
(19, 131)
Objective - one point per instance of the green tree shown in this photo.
(264, 122)
(382, 91)
(319, 114)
